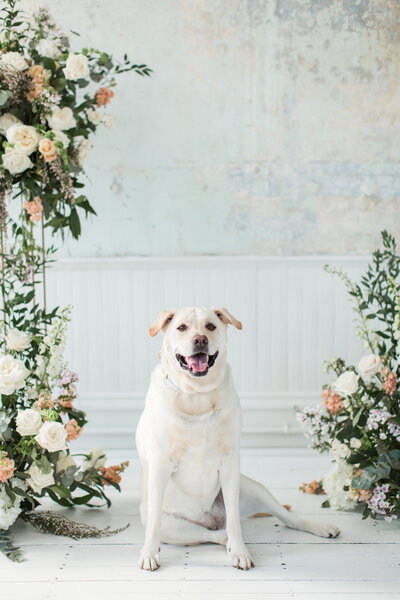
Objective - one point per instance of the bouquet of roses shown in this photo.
(51, 102)
(359, 422)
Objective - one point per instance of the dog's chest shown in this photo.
(197, 441)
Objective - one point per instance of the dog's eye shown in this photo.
(210, 326)
(182, 327)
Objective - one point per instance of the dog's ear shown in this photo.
(225, 316)
(161, 322)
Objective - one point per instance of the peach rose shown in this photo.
(34, 208)
(48, 149)
(35, 91)
(103, 96)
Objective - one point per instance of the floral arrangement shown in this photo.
(51, 102)
(359, 420)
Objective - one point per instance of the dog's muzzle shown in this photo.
(197, 364)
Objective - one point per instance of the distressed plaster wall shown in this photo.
(269, 126)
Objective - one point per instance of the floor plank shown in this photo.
(362, 562)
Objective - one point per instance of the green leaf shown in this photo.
(4, 96)
(74, 223)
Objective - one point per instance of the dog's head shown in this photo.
(194, 345)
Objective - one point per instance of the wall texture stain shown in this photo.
(268, 127)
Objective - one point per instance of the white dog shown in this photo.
(188, 443)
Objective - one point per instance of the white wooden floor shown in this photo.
(363, 562)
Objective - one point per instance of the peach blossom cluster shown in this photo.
(7, 467)
(112, 474)
(332, 401)
(44, 401)
(103, 96)
(38, 77)
(361, 495)
(390, 382)
(73, 430)
(65, 402)
(314, 487)
(34, 208)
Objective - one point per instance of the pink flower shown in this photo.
(103, 96)
(44, 401)
(7, 467)
(34, 208)
(390, 383)
(73, 430)
(332, 401)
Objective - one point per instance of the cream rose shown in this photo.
(48, 149)
(13, 61)
(52, 436)
(355, 443)
(48, 48)
(29, 421)
(6, 121)
(94, 116)
(108, 120)
(37, 479)
(17, 340)
(83, 151)
(12, 374)
(15, 161)
(76, 67)
(97, 459)
(370, 365)
(24, 138)
(64, 461)
(61, 118)
(339, 450)
(60, 136)
(346, 384)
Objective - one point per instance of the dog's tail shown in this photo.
(262, 514)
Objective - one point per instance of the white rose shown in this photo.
(37, 479)
(370, 365)
(339, 450)
(9, 509)
(76, 67)
(346, 384)
(12, 374)
(60, 136)
(29, 422)
(83, 151)
(6, 121)
(355, 443)
(48, 48)
(17, 340)
(64, 461)
(15, 161)
(24, 138)
(94, 116)
(52, 436)
(61, 118)
(108, 120)
(97, 459)
(13, 61)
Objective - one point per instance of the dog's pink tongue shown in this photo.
(198, 362)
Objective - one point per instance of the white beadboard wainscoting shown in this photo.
(294, 316)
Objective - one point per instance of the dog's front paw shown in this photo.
(240, 557)
(150, 561)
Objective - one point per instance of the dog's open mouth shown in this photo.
(197, 364)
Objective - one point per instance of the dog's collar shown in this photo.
(169, 381)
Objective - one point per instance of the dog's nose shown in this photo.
(200, 341)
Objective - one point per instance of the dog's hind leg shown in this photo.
(255, 498)
(176, 530)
